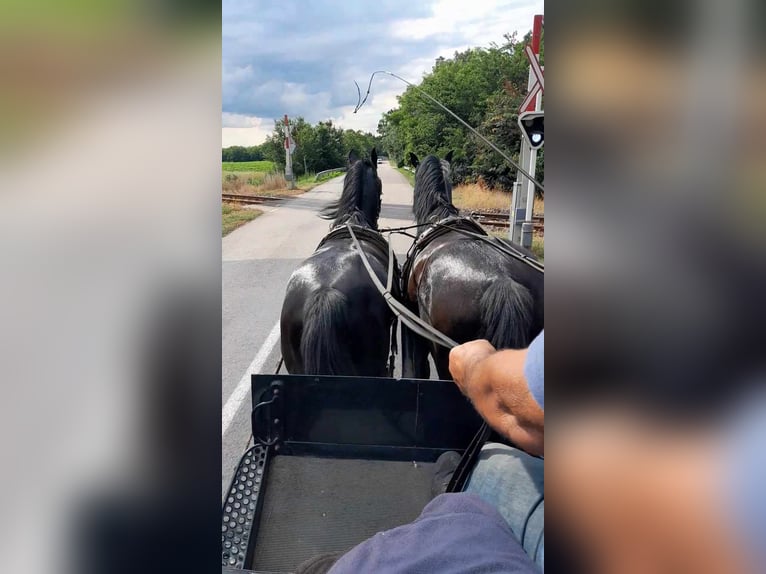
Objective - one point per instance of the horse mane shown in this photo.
(433, 190)
(350, 208)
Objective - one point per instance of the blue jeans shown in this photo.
(513, 482)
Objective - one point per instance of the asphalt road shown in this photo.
(257, 260)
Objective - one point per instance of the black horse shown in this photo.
(459, 284)
(334, 321)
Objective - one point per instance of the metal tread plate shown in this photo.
(240, 506)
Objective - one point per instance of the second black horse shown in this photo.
(459, 284)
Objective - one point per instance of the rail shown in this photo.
(502, 219)
(251, 199)
(316, 178)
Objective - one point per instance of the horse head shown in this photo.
(433, 188)
(361, 198)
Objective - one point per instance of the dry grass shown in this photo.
(474, 197)
(234, 215)
(258, 183)
(538, 243)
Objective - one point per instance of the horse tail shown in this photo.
(326, 335)
(506, 314)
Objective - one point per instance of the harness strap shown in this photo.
(406, 316)
(395, 323)
(425, 330)
(501, 246)
(468, 460)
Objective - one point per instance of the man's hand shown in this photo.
(494, 382)
(463, 360)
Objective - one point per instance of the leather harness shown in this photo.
(438, 229)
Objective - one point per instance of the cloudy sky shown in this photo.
(301, 57)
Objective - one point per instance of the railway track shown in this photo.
(495, 219)
(251, 199)
(489, 218)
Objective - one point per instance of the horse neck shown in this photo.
(436, 212)
(358, 217)
(366, 211)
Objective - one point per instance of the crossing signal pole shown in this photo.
(289, 149)
(523, 201)
(532, 126)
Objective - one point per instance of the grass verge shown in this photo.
(473, 197)
(410, 175)
(255, 183)
(234, 215)
(274, 184)
(244, 166)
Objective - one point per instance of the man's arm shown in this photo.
(496, 384)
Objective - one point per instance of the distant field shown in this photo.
(243, 166)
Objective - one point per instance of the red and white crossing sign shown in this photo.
(289, 141)
(534, 63)
(528, 105)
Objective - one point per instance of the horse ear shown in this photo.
(352, 157)
(414, 161)
(374, 157)
(448, 157)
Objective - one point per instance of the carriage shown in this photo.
(335, 459)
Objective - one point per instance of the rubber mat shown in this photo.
(315, 505)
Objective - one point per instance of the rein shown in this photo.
(505, 248)
(406, 316)
(414, 323)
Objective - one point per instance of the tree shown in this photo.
(240, 153)
(483, 86)
(319, 147)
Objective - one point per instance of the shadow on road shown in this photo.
(400, 211)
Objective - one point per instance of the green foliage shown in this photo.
(261, 166)
(240, 153)
(410, 175)
(484, 86)
(319, 147)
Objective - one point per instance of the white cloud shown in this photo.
(304, 63)
(244, 130)
(244, 136)
(240, 121)
(484, 22)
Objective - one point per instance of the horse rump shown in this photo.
(507, 314)
(326, 335)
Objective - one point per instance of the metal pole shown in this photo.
(519, 205)
(288, 158)
(523, 203)
(533, 158)
(511, 215)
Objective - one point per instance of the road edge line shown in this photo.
(242, 390)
